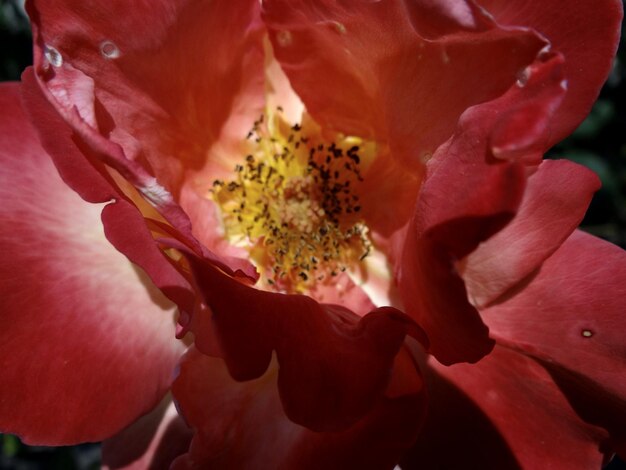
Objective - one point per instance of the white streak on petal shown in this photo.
(156, 194)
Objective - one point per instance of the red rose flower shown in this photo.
(343, 211)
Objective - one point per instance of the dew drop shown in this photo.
(545, 53)
(586, 333)
(284, 38)
(109, 50)
(339, 27)
(53, 56)
(522, 77)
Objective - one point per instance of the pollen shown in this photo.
(293, 203)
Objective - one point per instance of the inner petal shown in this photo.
(294, 203)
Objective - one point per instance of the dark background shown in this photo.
(599, 143)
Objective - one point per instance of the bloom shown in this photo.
(434, 128)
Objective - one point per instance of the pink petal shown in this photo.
(571, 318)
(168, 106)
(154, 441)
(167, 75)
(333, 365)
(431, 290)
(467, 197)
(503, 413)
(242, 425)
(388, 180)
(401, 72)
(554, 203)
(86, 340)
(586, 33)
(125, 226)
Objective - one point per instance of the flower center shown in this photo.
(294, 204)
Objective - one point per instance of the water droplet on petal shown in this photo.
(586, 333)
(53, 56)
(522, 77)
(284, 38)
(339, 27)
(109, 50)
(545, 53)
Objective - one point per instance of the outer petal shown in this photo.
(503, 413)
(405, 71)
(165, 91)
(333, 365)
(467, 196)
(154, 441)
(125, 226)
(586, 33)
(554, 203)
(571, 318)
(86, 340)
(242, 425)
(166, 107)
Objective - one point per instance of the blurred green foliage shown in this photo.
(16, 456)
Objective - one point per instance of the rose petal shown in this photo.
(154, 441)
(333, 364)
(86, 340)
(586, 33)
(431, 290)
(125, 226)
(242, 425)
(343, 291)
(163, 116)
(388, 180)
(554, 203)
(526, 113)
(571, 317)
(503, 413)
(467, 197)
(396, 85)
(165, 90)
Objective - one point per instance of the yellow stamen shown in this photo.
(294, 203)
